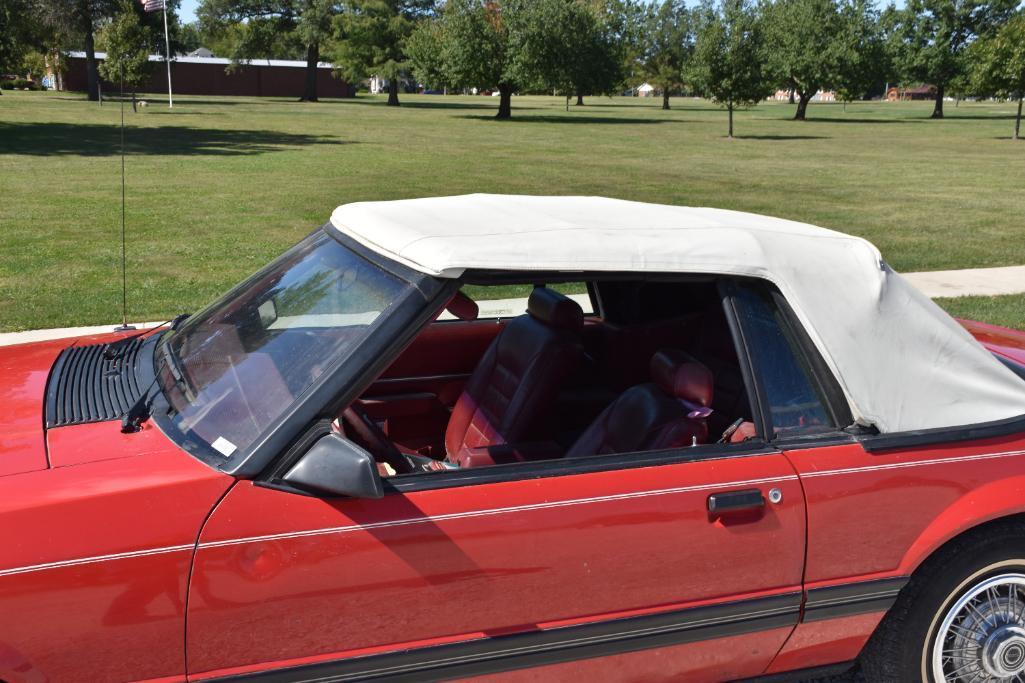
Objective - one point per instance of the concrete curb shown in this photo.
(940, 283)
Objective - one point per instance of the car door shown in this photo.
(618, 559)
(519, 566)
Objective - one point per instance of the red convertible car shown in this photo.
(683, 444)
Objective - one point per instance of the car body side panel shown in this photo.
(282, 578)
(1000, 340)
(878, 516)
(24, 370)
(97, 578)
(703, 662)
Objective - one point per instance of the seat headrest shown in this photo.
(680, 376)
(555, 309)
(462, 307)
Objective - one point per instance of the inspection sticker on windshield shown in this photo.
(225, 447)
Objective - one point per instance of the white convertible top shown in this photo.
(903, 363)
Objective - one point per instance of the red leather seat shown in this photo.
(511, 394)
(671, 411)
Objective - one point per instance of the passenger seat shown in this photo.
(671, 411)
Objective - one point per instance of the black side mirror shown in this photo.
(336, 466)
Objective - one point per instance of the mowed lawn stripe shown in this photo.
(217, 186)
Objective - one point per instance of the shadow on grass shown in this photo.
(93, 140)
(486, 103)
(782, 137)
(842, 119)
(569, 118)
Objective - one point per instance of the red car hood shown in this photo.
(24, 369)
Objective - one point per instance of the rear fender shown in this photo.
(987, 503)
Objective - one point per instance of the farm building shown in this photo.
(208, 76)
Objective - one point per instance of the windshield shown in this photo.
(233, 369)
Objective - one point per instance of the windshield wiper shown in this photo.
(114, 349)
(141, 410)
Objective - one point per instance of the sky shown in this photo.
(187, 11)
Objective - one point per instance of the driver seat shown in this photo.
(511, 394)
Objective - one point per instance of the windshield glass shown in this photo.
(233, 369)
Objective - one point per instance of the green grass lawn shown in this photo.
(217, 186)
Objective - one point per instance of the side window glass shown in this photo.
(795, 405)
(509, 301)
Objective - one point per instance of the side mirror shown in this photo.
(336, 466)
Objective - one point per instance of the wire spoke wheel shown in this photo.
(982, 636)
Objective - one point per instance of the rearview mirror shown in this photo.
(336, 466)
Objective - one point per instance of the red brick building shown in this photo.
(207, 76)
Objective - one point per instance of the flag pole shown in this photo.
(167, 46)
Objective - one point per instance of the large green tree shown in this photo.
(253, 29)
(14, 38)
(126, 41)
(471, 47)
(668, 46)
(814, 45)
(76, 21)
(728, 65)
(567, 46)
(372, 36)
(930, 38)
(999, 64)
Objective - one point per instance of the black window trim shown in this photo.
(825, 385)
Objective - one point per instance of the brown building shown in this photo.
(207, 76)
(920, 92)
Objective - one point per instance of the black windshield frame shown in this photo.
(404, 318)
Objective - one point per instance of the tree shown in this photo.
(266, 28)
(14, 43)
(727, 64)
(472, 41)
(425, 50)
(668, 46)
(1000, 64)
(863, 61)
(126, 42)
(372, 38)
(930, 38)
(566, 46)
(76, 18)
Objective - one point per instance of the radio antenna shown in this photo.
(124, 326)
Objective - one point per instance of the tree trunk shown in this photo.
(312, 57)
(792, 96)
(393, 92)
(665, 99)
(504, 101)
(92, 76)
(580, 98)
(937, 110)
(729, 108)
(802, 106)
(1017, 121)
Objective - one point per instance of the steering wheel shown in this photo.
(375, 440)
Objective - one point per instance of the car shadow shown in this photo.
(95, 140)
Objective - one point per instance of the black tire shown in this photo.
(900, 649)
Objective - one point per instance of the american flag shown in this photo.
(153, 5)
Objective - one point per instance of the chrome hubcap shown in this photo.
(982, 636)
